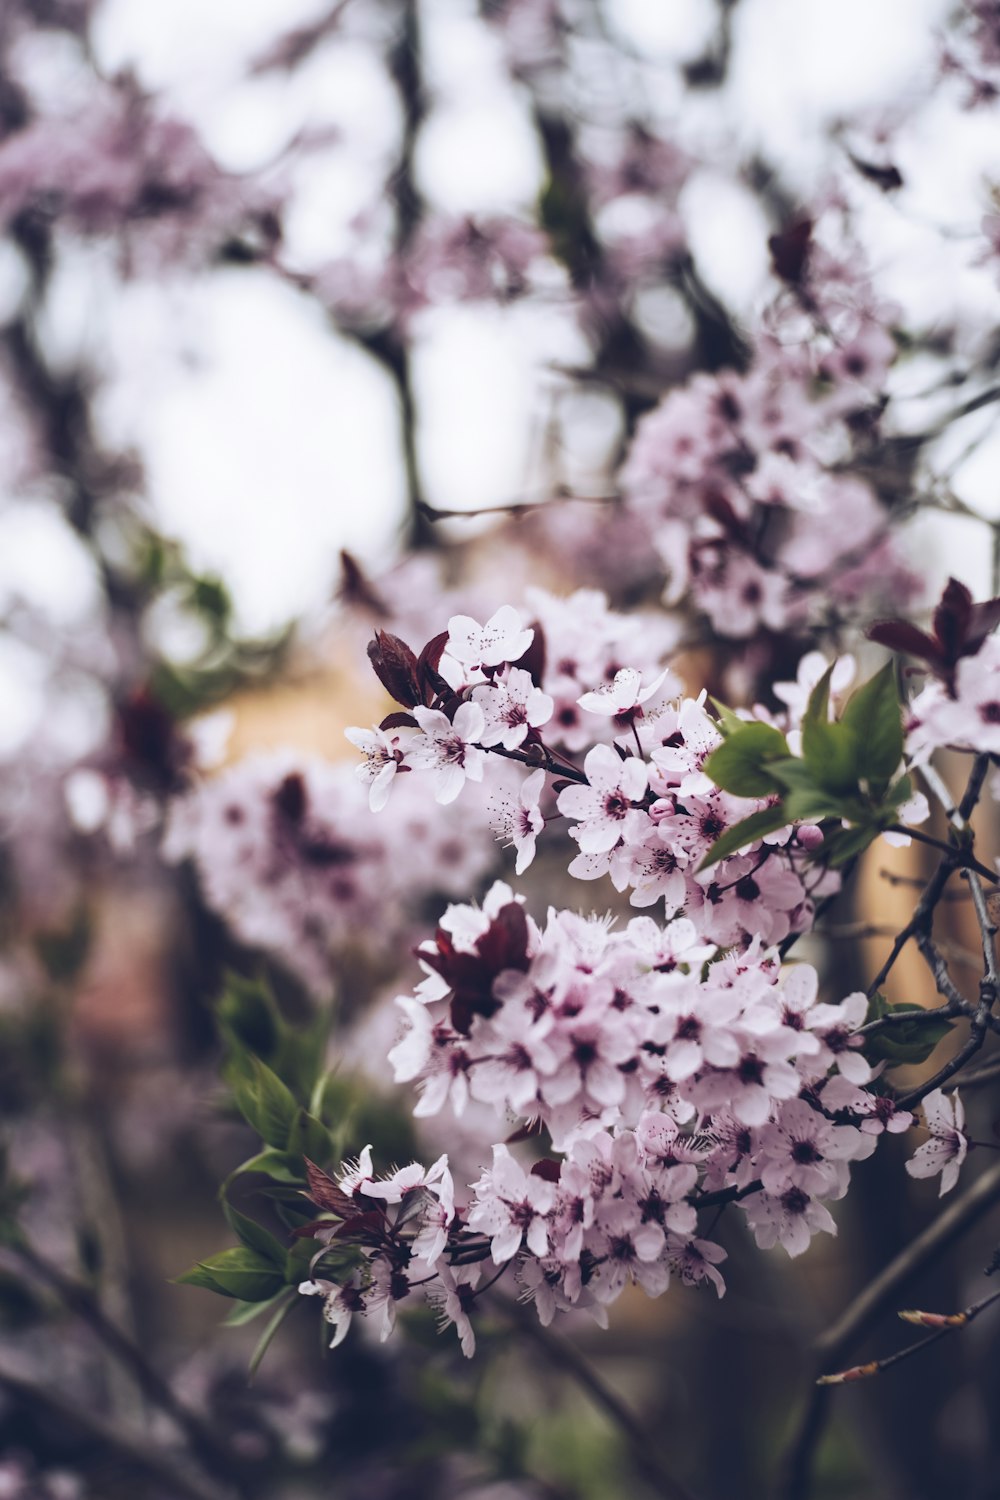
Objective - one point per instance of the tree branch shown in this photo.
(842, 1334)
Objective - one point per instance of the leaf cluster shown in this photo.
(848, 770)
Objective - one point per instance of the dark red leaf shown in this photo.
(395, 666)
(362, 1226)
(901, 635)
(470, 976)
(952, 618)
(886, 178)
(356, 587)
(548, 1169)
(324, 1192)
(432, 684)
(398, 721)
(533, 660)
(790, 250)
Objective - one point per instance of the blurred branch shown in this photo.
(133, 1450)
(567, 1357)
(842, 1334)
(513, 507)
(951, 860)
(79, 1300)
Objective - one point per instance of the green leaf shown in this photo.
(818, 707)
(254, 1236)
(904, 1042)
(847, 843)
(812, 804)
(831, 753)
(873, 713)
(740, 764)
(900, 791)
(280, 1166)
(246, 1312)
(310, 1137)
(240, 1273)
(769, 820)
(266, 1103)
(248, 1016)
(729, 722)
(273, 1324)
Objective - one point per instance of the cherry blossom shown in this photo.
(948, 1146)
(449, 748)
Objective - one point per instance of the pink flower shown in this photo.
(789, 1219)
(802, 1149)
(384, 752)
(502, 639)
(511, 706)
(606, 803)
(511, 1206)
(449, 748)
(624, 695)
(947, 1148)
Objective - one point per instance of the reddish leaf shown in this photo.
(395, 666)
(548, 1169)
(324, 1192)
(398, 721)
(356, 587)
(470, 976)
(432, 684)
(790, 251)
(886, 178)
(533, 660)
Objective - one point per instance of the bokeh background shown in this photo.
(245, 328)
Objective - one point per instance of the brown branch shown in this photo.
(942, 1323)
(435, 513)
(974, 1080)
(845, 1331)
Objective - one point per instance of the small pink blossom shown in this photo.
(449, 747)
(948, 1146)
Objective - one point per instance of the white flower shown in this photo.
(384, 753)
(947, 1148)
(448, 747)
(604, 806)
(622, 696)
(502, 638)
(520, 823)
(511, 707)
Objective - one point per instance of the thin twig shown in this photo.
(513, 507)
(962, 1056)
(964, 859)
(974, 1080)
(942, 1323)
(909, 1017)
(842, 1334)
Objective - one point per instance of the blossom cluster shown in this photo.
(730, 475)
(666, 1075)
(642, 809)
(286, 853)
